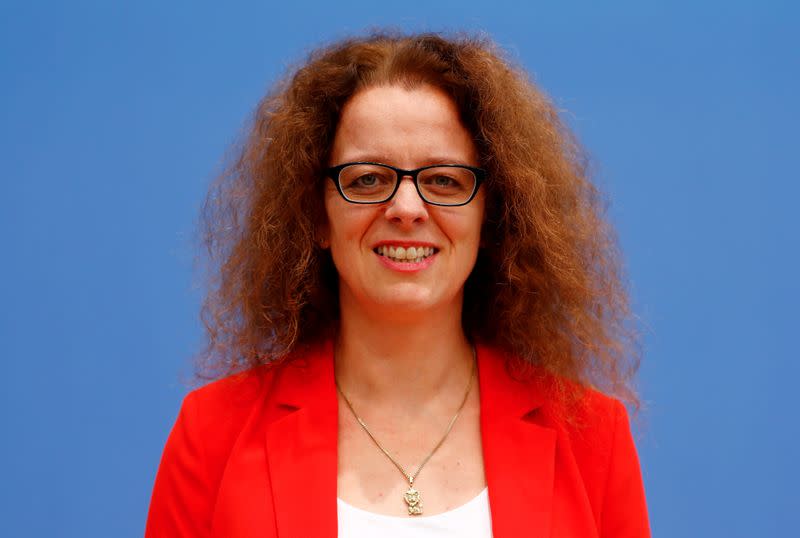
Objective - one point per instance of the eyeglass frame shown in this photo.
(479, 173)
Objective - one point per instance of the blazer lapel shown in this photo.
(519, 455)
(302, 448)
(298, 429)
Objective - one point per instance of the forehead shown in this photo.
(402, 126)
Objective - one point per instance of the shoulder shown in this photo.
(212, 417)
(587, 421)
(575, 409)
(590, 425)
(605, 453)
(218, 411)
(591, 428)
(210, 421)
(594, 438)
(233, 393)
(594, 463)
(595, 446)
(228, 401)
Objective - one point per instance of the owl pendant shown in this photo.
(413, 501)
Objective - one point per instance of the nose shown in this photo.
(406, 206)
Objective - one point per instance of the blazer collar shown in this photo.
(302, 447)
(519, 455)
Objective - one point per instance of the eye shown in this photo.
(366, 177)
(367, 180)
(443, 181)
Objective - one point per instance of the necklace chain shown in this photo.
(414, 506)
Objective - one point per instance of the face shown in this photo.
(405, 128)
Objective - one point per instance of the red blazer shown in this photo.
(254, 455)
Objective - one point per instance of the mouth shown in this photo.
(410, 254)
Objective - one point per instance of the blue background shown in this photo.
(115, 116)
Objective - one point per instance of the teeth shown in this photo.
(402, 254)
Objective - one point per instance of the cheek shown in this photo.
(347, 225)
(336, 217)
(471, 237)
(464, 229)
(478, 218)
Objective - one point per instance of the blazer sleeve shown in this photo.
(182, 495)
(624, 513)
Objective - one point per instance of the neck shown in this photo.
(402, 362)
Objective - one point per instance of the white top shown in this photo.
(470, 520)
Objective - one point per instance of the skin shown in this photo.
(401, 353)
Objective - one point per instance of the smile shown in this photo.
(405, 254)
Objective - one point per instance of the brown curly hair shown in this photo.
(547, 286)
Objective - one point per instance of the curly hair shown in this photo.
(548, 285)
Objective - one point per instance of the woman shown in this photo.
(419, 304)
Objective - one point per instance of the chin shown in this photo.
(411, 302)
(399, 301)
(404, 302)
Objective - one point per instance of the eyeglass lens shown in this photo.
(374, 183)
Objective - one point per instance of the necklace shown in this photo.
(412, 495)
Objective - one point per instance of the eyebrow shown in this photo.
(383, 159)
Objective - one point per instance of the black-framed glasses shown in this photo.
(375, 183)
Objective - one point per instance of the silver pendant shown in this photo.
(413, 501)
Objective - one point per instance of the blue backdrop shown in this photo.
(114, 116)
